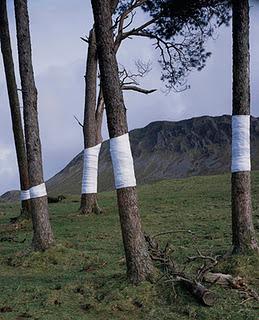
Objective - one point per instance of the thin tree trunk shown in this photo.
(14, 107)
(139, 265)
(93, 115)
(243, 234)
(89, 200)
(43, 236)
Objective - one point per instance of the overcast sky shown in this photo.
(59, 64)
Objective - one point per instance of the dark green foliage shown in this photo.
(180, 31)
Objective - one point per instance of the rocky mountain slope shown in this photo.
(165, 150)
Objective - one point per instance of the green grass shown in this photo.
(83, 276)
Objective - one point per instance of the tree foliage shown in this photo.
(180, 29)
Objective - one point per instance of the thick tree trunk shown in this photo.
(43, 236)
(89, 200)
(89, 204)
(14, 107)
(139, 264)
(243, 234)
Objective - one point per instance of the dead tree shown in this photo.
(42, 236)
(243, 233)
(139, 265)
(14, 107)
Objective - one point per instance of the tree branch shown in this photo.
(81, 125)
(138, 89)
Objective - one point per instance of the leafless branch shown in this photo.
(130, 78)
(138, 89)
(85, 39)
(81, 125)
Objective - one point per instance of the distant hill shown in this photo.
(165, 150)
(12, 195)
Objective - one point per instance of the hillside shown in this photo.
(83, 276)
(163, 150)
(166, 150)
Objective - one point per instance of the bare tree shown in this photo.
(43, 236)
(243, 233)
(14, 107)
(139, 265)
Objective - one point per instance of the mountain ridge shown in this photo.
(165, 150)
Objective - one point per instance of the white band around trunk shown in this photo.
(122, 162)
(25, 195)
(90, 169)
(241, 143)
(38, 191)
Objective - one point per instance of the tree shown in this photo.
(91, 141)
(179, 58)
(139, 265)
(14, 107)
(42, 233)
(243, 233)
(93, 117)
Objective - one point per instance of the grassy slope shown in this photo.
(83, 276)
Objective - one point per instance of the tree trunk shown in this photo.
(89, 200)
(99, 117)
(93, 115)
(243, 234)
(43, 236)
(139, 265)
(14, 107)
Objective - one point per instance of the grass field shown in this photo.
(83, 276)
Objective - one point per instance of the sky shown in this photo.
(59, 65)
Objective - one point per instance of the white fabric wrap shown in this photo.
(241, 143)
(38, 191)
(90, 169)
(122, 162)
(25, 195)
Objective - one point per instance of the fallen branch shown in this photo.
(202, 293)
(199, 291)
(237, 283)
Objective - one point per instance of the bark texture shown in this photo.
(89, 200)
(42, 236)
(139, 265)
(99, 117)
(14, 107)
(243, 234)
(89, 204)
(89, 127)
(93, 115)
